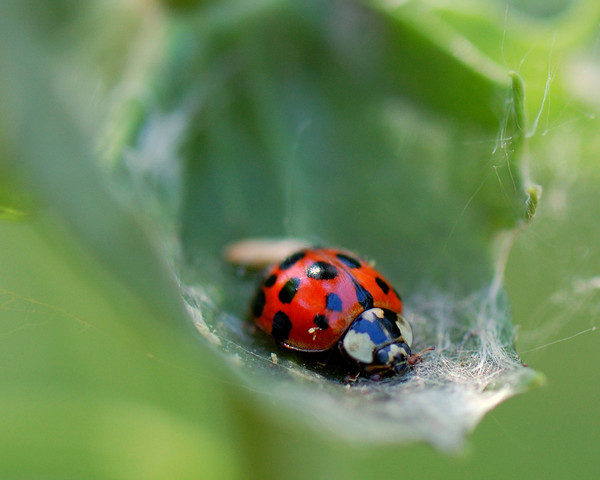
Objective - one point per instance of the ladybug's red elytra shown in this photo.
(316, 299)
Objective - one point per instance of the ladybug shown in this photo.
(317, 299)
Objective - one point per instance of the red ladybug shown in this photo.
(316, 299)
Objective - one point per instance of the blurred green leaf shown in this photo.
(282, 122)
(95, 338)
(390, 130)
(15, 202)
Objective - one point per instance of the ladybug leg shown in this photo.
(352, 377)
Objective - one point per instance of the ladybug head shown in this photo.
(378, 341)
(392, 357)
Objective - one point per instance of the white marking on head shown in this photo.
(359, 346)
(396, 351)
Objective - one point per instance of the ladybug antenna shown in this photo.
(418, 357)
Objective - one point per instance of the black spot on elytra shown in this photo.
(389, 323)
(289, 261)
(270, 281)
(334, 303)
(321, 271)
(385, 288)
(281, 326)
(258, 303)
(321, 322)
(363, 296)
(348, 260)
(288, 291)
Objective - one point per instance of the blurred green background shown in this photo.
(138, 137)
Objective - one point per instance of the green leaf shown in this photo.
(390, 131)
(279, 122)
(95, 340)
